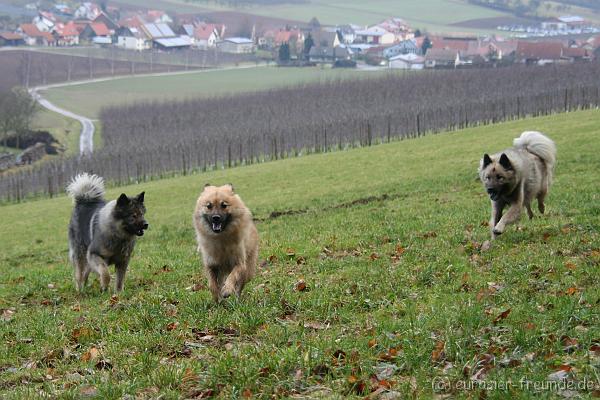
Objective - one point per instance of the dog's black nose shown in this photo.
(216, 218)
(145, 226)
(491, 191)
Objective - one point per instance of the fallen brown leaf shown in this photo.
(501, 316)
(571, 291)
(90, 355)
(172, 325)
(300, 286)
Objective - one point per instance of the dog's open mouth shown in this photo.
(140, 232)
(217, 227)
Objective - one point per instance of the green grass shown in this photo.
(399, 282)
(88, 99)
(434, 15)
(65, 130)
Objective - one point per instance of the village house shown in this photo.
(106, 20)
(96, 32)
(347, 33)
(34, 37)
(206, 36)
(398, 27)
(375, 35)
(45, 21)
(539, 53)
(133, 39)
(64, 10)
(87, 11)
(442, 58)
(564, 23)
(575, 54)
(325, 39)
(163, 37)
(187, 30)
(409, 61)
(408, 46)
(11, 39)
(236, 45)
(157, 17)
(66, 34)
(133, 21)
(289, 36)
(329, 55)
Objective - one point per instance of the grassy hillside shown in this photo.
(88, 99)
(435, 15)
(400, 297)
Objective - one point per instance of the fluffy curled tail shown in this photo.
(540, 145)
(86, 188)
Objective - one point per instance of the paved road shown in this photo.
(86, 139)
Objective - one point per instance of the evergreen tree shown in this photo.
(426, 45)
(308, 43)
(284, 53)
(314, 23)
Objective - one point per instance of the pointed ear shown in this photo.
(231, 186)
(486, 160)
(505, 162)
(123, 200)
(206, 184)
(140, 197)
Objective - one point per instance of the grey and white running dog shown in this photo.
(101, 233)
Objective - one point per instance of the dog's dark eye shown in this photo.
(209, 206)
(499, 177)
(223, 205)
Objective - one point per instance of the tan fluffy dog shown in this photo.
(227, 240)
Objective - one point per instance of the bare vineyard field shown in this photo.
(156, 139)
(32, 68)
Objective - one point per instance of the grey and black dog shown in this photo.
(101, 233)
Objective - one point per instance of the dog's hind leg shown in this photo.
(121, 269)
(540, 198)
(80, 268)
(529, 212)
(99, 266)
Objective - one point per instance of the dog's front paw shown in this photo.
(497, 231)
(227, 291)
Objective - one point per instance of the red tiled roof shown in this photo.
(203, 32)
(69, 29)
(100, 29)
(155, 14)
(31, 30)
(451, 43)
(539, 50)
(132, 22)
(441, 54)
(80, 25)
(286, 36)
(10, 36)
(574, 52)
